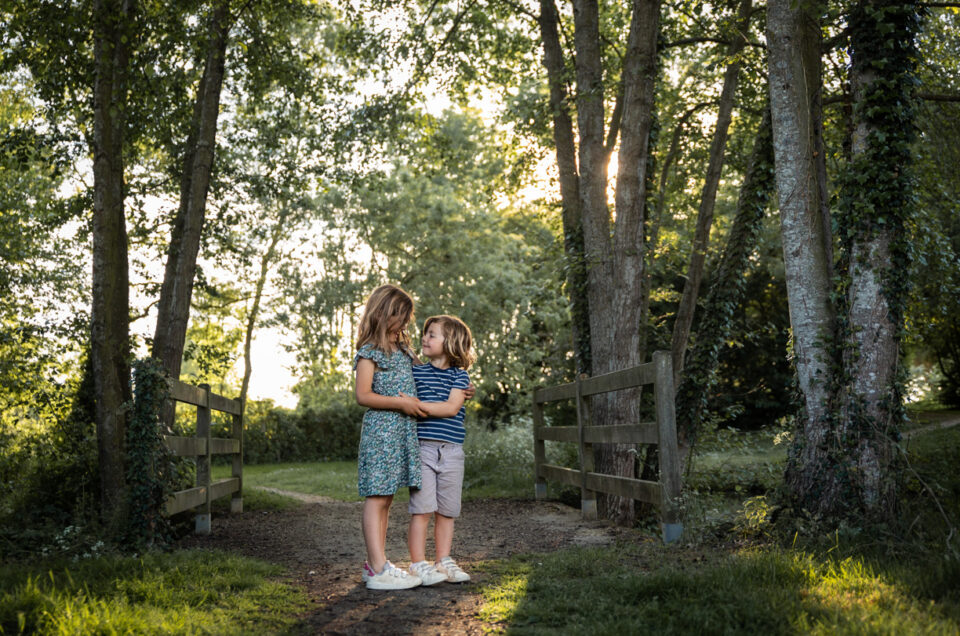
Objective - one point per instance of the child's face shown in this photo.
(396, 327)
(432, 341)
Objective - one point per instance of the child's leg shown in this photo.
(417, 537)
(443, 535)
(449, 489)
(376, 513)
(423, 502)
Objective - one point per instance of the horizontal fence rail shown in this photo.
(202, 447)
(663, 433)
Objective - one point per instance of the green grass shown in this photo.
(637, 586)
(909, 586)
(650, 589)
(185, 592)
(256, 501)
(337, 480)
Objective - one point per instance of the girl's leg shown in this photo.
(376, 511)
(384, 521)
(417, 537)
(443, 535)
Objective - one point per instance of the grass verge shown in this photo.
(637, 589)
(184, 592)
(337, 480)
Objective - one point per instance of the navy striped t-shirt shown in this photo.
(434, 385)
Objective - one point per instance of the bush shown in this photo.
(500, 462)
(274, 435)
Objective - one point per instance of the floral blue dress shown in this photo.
(389, 457)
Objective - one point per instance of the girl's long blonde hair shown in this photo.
(386, 304)
(457, 340)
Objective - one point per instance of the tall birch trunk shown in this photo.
(110, 311)
(173, 310)
(793, 41)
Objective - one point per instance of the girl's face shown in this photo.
(396, 327)
(432, 342)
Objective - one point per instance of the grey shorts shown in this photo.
(442, 464)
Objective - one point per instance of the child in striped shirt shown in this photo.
(447, 345)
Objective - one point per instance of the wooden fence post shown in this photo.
(236, 501)
(203, 461)
(588, 498)
(665, 395)
(539, 451)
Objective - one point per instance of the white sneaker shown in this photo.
(392, 578)
(427, 573)
(454, 574)
(368, 572)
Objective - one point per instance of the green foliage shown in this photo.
(274, 434)
(441, 218)
(151, 473)
(736, 464)
(180, 592)
(754, 381)
(49, 476)
(932, 489)
(933, 314)
(499, 463)
(876, 192)
(727, 290)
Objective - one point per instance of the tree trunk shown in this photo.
(708, 198)
(265, 262)
(173, 310)
(639, 81)
(726, 293)
(592, 162)
(614, 266)
(793, 40)
(653, 225)
(110, 312)
(875, 204)
(569, 185)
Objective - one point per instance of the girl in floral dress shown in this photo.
(389, 456)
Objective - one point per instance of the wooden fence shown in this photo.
(662, 432)
(203, 447)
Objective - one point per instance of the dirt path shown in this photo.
(320, 545)
(941, 419)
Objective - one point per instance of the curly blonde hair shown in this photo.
(384, 306)
(457, 340)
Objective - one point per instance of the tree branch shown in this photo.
(703, 40)
(938, 97)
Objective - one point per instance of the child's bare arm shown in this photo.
(445, 409)
(367, 397)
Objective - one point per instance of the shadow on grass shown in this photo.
(768, 591)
